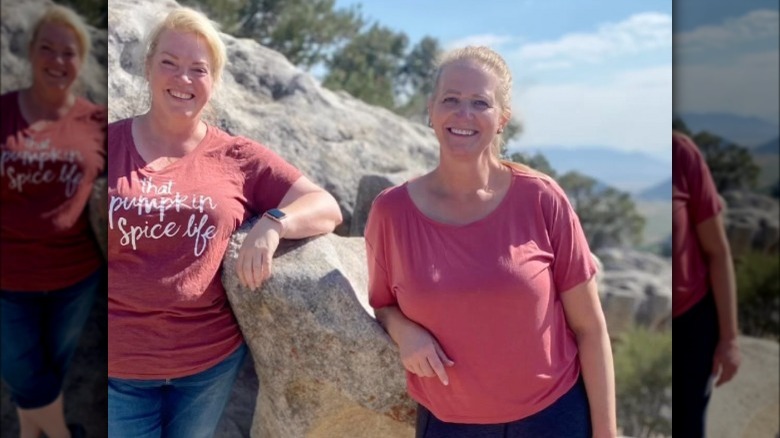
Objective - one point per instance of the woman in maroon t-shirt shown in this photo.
(178, 189)
(53, 148)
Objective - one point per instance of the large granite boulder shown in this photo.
(325, 367)
(368, 189)
(333, 138)
(752, 222)
(635, 289)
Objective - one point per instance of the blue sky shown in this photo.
(726, 58)
(586, 72)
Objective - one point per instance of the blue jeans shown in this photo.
(186, 407)
(568, 417)
(39, 333)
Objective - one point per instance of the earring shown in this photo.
(500, 130)
(430, 124)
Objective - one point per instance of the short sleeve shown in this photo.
(268, 176)
(380, 293)
(572, 263)
(704, 202)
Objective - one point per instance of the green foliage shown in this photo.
(371, 63)
(608, 216)
(417, 71)
(304, 31)
(536, 161)
(679, 125)
(758, 292)
(94, 12)
(376, 68)
(367, 66)
(643, 380)
(512, 129)
(731, 165)
(415, 79)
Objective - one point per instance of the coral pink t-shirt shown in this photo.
(694, 200)
(168, 229)
(46, 178)
(489, 292)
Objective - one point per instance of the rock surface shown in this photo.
(333, 138)
(325, 367)
(636, 288)
(368, 188)
(752, 222)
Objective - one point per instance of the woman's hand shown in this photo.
(256, 253)
(421, 354)
(726, 361)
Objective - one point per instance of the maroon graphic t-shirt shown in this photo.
(168, 229)
(46, 176)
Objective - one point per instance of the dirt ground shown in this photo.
(749, 405)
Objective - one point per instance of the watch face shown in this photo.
(276, 213)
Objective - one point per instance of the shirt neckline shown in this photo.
(26, 127)
(501, 205)
(143, 165)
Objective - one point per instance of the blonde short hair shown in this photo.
(189, 20)
(490, 61)
(56, 14)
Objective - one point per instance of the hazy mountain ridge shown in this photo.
(624, 170)
(659, 192)
(745, 131)
(770, 147)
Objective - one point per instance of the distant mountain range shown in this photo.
(659, 192)
(745, 131)
(770, 147)
(628, 171)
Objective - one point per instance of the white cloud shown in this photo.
(638, 33)
(490, 40)
(633, 112)
(753, 26)
(746, 86)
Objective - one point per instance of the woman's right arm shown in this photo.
(421, 354)
(712, 237)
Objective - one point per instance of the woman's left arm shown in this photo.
(309, 210)
(585, 317)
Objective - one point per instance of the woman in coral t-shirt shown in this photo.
(53, 149)
(704, 298)
(480, 272)
(178, 189)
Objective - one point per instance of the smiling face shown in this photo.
(179, 73)
(464, 111)
(55, 57)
